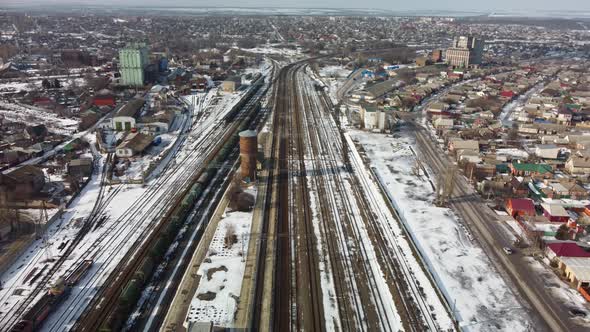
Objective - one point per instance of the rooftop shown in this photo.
(537, 168)
(579, 265)
(567, 249)
(132, 108)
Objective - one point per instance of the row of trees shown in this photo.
(53, 84)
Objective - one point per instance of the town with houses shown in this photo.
(432, 172)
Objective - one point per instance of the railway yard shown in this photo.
(118, 219)
(328, 249)
(338, 231)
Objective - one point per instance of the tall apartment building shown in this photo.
(466, 52)
(132, 61)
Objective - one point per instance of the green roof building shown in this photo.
(133, 59)
(526, 169)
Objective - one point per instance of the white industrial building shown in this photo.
(373, 118)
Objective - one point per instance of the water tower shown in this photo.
(248, 151)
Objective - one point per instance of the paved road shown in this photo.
(348, 84)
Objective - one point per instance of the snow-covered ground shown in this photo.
(463, 272)
(334, 72)
(561, 290)
(36, 84)
(130, 211)
(334, 77)
(222, 271)
(33, 115)
(268, 49)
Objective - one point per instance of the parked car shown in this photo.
(508, 251)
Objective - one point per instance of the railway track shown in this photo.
(331, 171)
(395, 263)
(411, 301)
(105, 301)
(96, 250)
(9, 320)
(302, 223)
(343, 220)
(159, 290)
(351, 314)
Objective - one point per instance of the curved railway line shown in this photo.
(101, 202)
(106, 300)
(165, 187)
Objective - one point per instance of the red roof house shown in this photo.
(507, 93)
(520, 207)
(104, 100)
(565, 249)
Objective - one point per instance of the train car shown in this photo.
(159, 249)
(145, 270)
(79, 272)
(33, 318)
(130, 295)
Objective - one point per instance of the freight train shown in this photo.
(257, 82)
(34, 317)
(134, 287)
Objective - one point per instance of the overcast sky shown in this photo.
(458, 5)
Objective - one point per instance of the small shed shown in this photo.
(80, 167)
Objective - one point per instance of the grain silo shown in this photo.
(248, 151)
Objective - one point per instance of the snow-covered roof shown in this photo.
(580, 266)
(555, 210)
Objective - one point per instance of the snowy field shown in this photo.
(334, 72)
(36, 84)
(34, 116)
(462, 270)
(222, 272)
(272, 50)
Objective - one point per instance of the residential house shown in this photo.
(37, 132)
(578, 165)
(104, 98)
(231, 84)
(373, 118)
(80, 167)
(532, 170)
(576, 270)
(457, 146)
(437, 108)
(157, 123)
(443, 123)
(23, 183)
(126, 116)
(520, 207)
(555, 212)
(134, 144)
(565, 249)
(547, 151)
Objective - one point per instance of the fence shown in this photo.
(450, 301)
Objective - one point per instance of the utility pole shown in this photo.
(446, 185)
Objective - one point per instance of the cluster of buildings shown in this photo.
(522, 138)
(466, 52)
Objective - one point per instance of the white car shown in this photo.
(508, 251)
